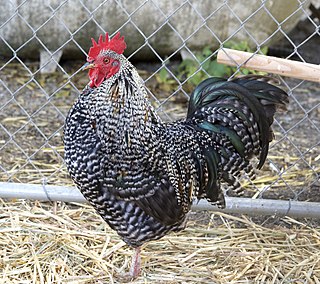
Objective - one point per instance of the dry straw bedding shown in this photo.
(69, 243)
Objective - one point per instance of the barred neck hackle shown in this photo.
(119, 107)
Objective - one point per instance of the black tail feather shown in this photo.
(257, 102)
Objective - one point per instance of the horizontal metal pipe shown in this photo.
(255, 207)
(248, 206)
(40, 192)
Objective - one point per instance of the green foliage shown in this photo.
(163, 76)
(165, 81)
(190, 68)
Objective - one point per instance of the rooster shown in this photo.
(142, 174)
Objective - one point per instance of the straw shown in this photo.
(74, 245)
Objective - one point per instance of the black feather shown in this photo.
(253, 102)
(212, 188)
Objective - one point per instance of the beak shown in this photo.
(87, 66)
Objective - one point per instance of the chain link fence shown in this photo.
(35, 97)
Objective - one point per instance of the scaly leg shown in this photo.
(134, 269)
(135, 264)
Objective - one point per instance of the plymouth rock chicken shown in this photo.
(142, 174)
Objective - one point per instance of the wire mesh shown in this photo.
(33, 104)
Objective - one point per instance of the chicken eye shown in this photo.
(106, 60)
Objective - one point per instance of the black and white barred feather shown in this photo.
(142, 174)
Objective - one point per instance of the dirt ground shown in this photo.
(42, 242)
(31, 148)
(69, 243)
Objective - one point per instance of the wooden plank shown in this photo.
(270, 64)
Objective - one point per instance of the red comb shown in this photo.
(116, 44)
